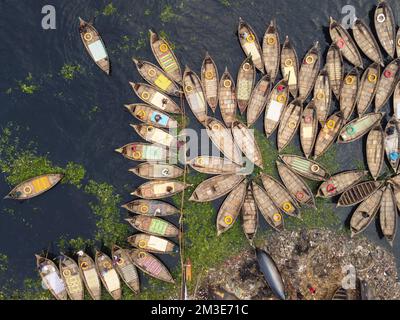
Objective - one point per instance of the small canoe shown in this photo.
(340, 294)
(210, 81)
(249, 216)
(154, 226)
(349, 93)
(244, 139)
(276, 103)
(215, 187)
(289, 124)
(267, 208)
(290, 66)
(94, 45)
(157, 77)
(146, 152)
(195, 95)
(322, 96)
(345, 43)
(271, 49)
(385, 27)
(34, 187)
(150, 116)
(375, 151)
(368, 86)
(357, 128)
(366, 41)
(155, 135)
(152, 244)
(309, 70)
(365, 213)
(159, 189)
(306, 168)
(231, 207)
(308, 128)
(339, 183)
(396, 101)
(165, 57)
(108, 275)
(150, 265)
(125, 268)
(297, 188)
(335, 69)
(388, 214)
(214, 165)
(51, 277)
(328, 134)
(69, 271)
(258, 99)
(245, 82)
(153, 171)
(249, 42)
(155, 98)
(392, 147)
(153, 208)
(227, 98)
(387, 83)
(88, 271)
(280, 196)
(358, 193)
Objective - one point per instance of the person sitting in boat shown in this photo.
(157, 118)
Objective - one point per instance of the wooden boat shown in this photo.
(297, 188)
(150, 116)
(157, 77)
(108, 275)
(251, 46)
(51, 277)
(94, 45)
(289, 124)
(368, 86)
(345, 43)
(309, 70)
(306, 168)
(357, 128)
(322, 96)
(392, 147)
(89, 275)
(146, 152)
(328, 134)
(366, 42)
(267, 208)
(339, 183)
(365, 213)
(227, 98)
(308, 128)
(154, 226)
(375, 151)
(246, 142)
(258, 99)
(34, 187)
(358, 193)
(125, 268)
(245, 82)
(69, 271)
(249, 216)
(396, 102)
(349, 93)
(335, 69)
(152, 244)
(280, 196)
(231, 207)
(159, 171)
(194, 95)
(387, 83)
(341, 294)
(215, 187)
(223, 140)
(214, 165)
(155, 98)
(159, 189)
(165, 57)
(290, 66)
(385, 27)
(150, 265)
(210, 81)
(276, 103)
(150, 208)
(271, 49)
(388, 214)
(155, 135)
